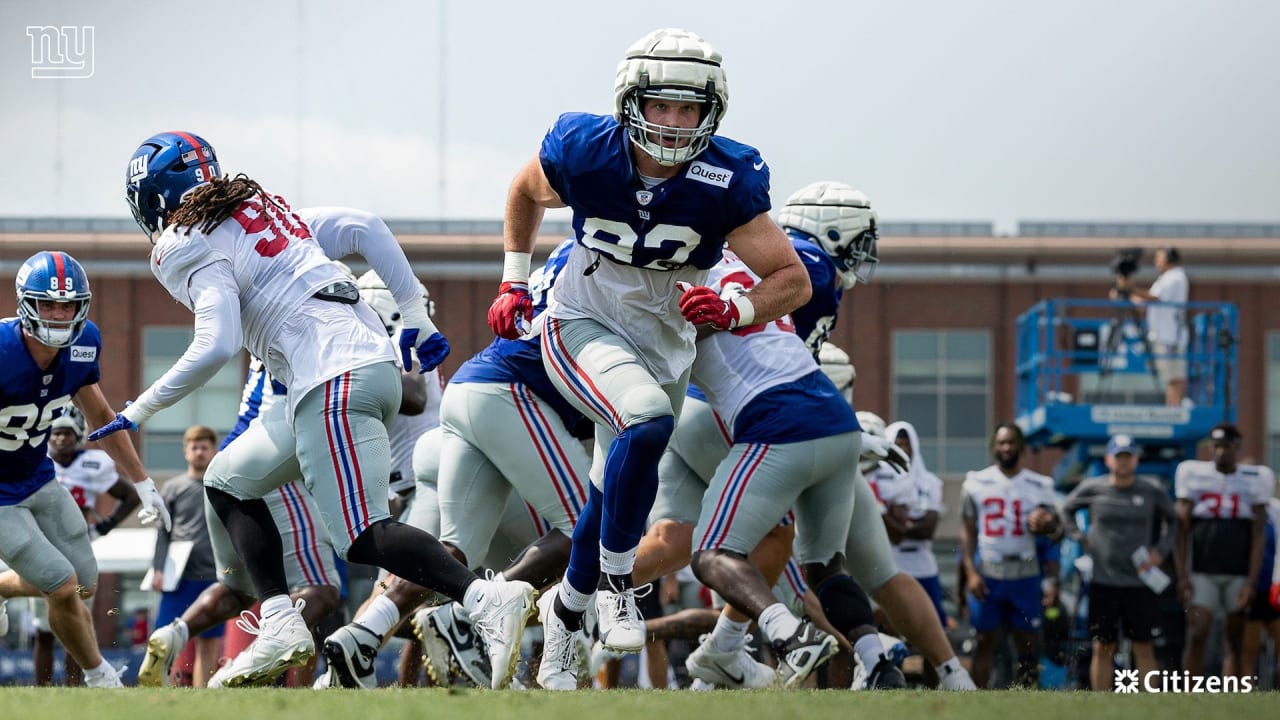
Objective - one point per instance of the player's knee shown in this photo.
(704, 562)
(651, 436)
(645, 403)
(70, 591)
(672, 536)
(845, 604)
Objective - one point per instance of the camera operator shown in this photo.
(1167, 326)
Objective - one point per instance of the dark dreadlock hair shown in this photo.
(215, 201)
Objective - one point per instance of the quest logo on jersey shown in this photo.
(709, 174)
(83, 353)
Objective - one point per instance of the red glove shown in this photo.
(701, 305)
(1275, 596)
(512, 311)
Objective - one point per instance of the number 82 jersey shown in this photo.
(31, 398)
(635, 242)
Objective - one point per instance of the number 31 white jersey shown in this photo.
(1216, 496)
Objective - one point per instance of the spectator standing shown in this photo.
(184, 495)
(1125, 513)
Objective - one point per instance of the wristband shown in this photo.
(746, 311)
(515, 267)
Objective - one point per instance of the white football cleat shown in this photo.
(108, 678)
(957, 680)
(621, 625)
(163, 647)
(500, 621)
(734, 669)
(283, 641)
(561, 648)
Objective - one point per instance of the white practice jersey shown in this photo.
(734, 367)
(921, 495)
(278, 266)
(1216, 496)
(641, 306)
(90, 474)
(405, 430)
(1001, 505)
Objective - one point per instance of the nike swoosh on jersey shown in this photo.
(757, 166)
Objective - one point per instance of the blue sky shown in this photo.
(997, 110)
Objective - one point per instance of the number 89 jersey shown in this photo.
(635, 242)
(31, 399)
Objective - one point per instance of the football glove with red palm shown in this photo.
(702, 305)
(512, 311)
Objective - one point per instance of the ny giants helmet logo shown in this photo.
(137, 168)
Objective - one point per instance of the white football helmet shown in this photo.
(71, 420)
(871, 423)
(375, 292)
(837, 367)
(840, 219)
(677, 66)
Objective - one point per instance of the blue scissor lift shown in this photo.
(1086, 372)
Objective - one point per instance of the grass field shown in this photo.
(389, 704)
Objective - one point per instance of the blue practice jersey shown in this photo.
(815, 319)
(682, 221)
(259, 388)
(520, 361)
(31, 399)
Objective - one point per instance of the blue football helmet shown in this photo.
(162, 171)
(52, 276)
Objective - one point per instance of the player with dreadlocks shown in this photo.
(258, 275)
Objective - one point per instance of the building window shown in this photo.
(216, 404)
(942, 386)
(1273, 399)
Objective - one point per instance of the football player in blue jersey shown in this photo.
(656, 195)
(833, 229)
(835, 232)
(50, 353)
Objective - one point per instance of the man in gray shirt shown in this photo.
(1125, 513)
(185, 496)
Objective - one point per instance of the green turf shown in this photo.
(390, 704)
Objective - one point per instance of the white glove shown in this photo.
(877, 448)
(153, 507)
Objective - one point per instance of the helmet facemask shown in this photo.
(52, 277)
(840, 220)
(675, 66)
(855, 259)
(53, 333)
(669, 145)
